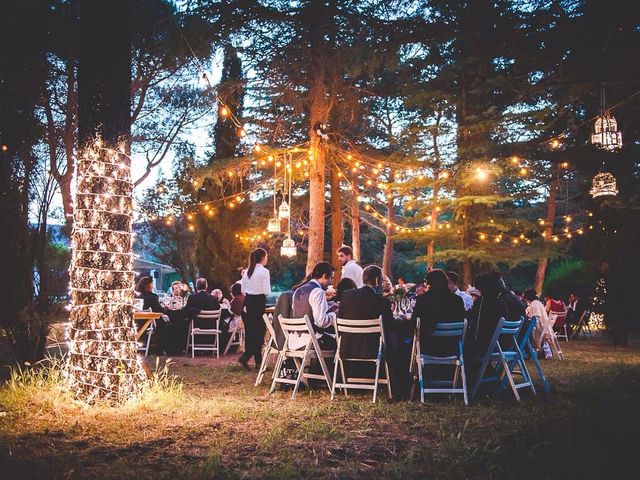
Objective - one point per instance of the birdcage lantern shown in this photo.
(606, 134)
(288, 248)
(273, 226)
(604, 185)
(284, 212)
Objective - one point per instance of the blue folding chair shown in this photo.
(529, 353)
(515, 357)
(456, 330)
(508, 331)
(485, 361)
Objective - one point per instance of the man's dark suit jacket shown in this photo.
(201, 301)
(363, 304)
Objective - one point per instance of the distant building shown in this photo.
(162, 275)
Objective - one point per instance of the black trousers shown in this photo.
(254, 327)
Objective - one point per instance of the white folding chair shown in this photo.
(455, 330)
(360, 327)
(236, 335)
(552, 336)
(144, 345)
(207, 322)
(302, 357)
(270, 349)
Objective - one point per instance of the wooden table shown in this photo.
(148, 318)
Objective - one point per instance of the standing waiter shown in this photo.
(256, 285)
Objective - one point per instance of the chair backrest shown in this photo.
(270, 329)
(295, 325)
(372, 325)
(525, 333)
(449, 329)
(207, 319)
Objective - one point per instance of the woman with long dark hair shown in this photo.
(256, 285)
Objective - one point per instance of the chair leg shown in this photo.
(325, 369)
(344, 378)
(420, 379)
(300, 374)
(186, 349)
(375, 380)
(146, 351)
(193, 344)
(231, 337)
(263, 368)
(276, 370)
(507, 372)
(335, 375)
(386, 370)
(464, 383)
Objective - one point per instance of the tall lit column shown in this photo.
(103, 353)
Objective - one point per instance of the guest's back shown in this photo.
(364, 303)
(201, 301)
(437, 306)
(514, 306)
(150, 301)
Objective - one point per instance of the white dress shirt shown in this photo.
(321, 317)
(353, 271)
(466, 298)
(259, 283)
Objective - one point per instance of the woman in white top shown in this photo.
(540, 334)
(256, 285)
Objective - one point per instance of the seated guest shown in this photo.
(150, 299)
(201, 300)
(236, 305)
(438, 304)
(310, 299)
(367, 303)
(540, 333)
(515, 306)
(484, 316)
(284, 307)
(557, 311)
(151, 302)
(576, 308)
(454, 281)
(343, 285)
(177, 299)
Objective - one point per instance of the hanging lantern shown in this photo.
(288, 248)
(606, 134)
(284, 211)
(604, 185)
(274, 224)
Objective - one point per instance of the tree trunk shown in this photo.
(103, 361)
(387, 257)
(337, 235)
(319, 109)
(433, 226)
(355, 225)
(551, 216)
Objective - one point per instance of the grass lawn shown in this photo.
(220, 426)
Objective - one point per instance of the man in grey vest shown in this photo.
(310, 299)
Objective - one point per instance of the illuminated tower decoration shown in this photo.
(273, 226)
(606, 134)
(103, 350)
(604, 185)
(288, 248)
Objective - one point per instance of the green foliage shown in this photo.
(570, 274)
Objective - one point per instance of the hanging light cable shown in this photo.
(274, 224)
(288, 248)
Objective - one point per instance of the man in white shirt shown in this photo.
(310, 299)
(454, 280)
(350, 269)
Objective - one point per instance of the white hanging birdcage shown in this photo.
(288, 248)
(274, 224)
(284, 211)
(606, 134)
(604, 185)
